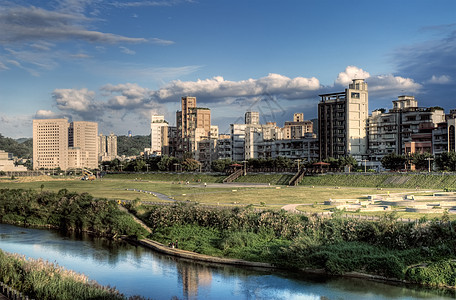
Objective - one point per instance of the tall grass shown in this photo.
(338, 245)
(43, 280)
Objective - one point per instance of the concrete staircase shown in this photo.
(233, 176)
(297, 177)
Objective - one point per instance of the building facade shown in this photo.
(82, 138)
(156, 134)
(298, 128)
(50, 144)
(107, 147)
(342, 119)
(193, 123)
(404, 129)
(59, 144)
(252, 117)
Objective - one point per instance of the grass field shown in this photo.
(214, 193)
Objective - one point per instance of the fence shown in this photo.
(11, 293)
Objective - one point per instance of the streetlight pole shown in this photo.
(365, 165)
(147, 168)
(429, 163)
(245, 170)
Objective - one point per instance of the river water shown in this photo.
(134, 270)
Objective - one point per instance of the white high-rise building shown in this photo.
(156, 129)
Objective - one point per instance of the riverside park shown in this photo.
(411, 196)
(392, 227)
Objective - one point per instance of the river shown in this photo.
(134, 270)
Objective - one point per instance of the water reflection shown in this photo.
(136, 270)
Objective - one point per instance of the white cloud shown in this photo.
(443, 79)
(161, 42)
(16, 126)
(217, 88)
(350, 73)
(126, 4)
(389, 85)
(21, 24)
(80, 56)
(127, 51)
(379, 85)
(47, 114)
(129, 95)
(74, 100)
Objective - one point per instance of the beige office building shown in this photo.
(82, 135)
(59, 144)
(50, 144)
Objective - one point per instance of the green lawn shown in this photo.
(213, 194)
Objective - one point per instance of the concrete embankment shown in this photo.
(200, 257)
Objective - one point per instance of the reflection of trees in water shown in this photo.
(389, 290)
(100, 249)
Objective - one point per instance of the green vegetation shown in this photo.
(67, 211)
(39, 279)
(133, 145)
(421, 181)
(22, 149)
(408, 251)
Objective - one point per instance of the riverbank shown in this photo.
(337, 245)
(386, 250)
(39, 279)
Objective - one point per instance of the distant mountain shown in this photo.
(133, 145)
(22, 148)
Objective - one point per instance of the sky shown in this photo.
(118, 62)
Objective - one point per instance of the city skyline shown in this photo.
(117, 62)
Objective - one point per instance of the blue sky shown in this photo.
(116, 62)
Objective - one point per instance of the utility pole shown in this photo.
(298, 161)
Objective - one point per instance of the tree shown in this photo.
(393, 161)
(190, 164)
(220, 165)
(166, 162)
(347, 161)
(21, 148)
(446, 161)
(420, 160)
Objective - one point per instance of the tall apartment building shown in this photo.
(169, 143)
(304, 148)
(58, 144)
(404, 124)
(298, 128)
(193, 123)
(111, 145)
(342, 120)
(107, 147)
(157, 133)
(252, 117)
